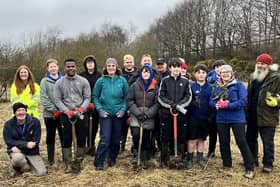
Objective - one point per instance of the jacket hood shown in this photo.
(92, 58)
(48, 75)
(149, 67)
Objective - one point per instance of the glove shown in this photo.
(56, 114)
(222, 104)
(103, 113)
(81, 110)
(271, 101)
(91, 107)
(120, 113)
(142, 117)
(173, 106)
(69, 113)
(181, 109)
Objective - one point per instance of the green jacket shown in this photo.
(268, 116)
(109, 94)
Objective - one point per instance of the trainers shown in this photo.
(249, 174)
(267, 169)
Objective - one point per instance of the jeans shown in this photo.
(267, 135)
(110, 135)
(239, 135)
(252, 137)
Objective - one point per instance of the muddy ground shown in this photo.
(124, 174)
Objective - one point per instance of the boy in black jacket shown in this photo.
(174, 95)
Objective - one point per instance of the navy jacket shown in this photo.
(14, 135)
(199, 107)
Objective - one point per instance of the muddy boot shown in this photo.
(163, 156)
(50, 149)
(67, 157)
(200, 160)
(80, 156)
(188, 162)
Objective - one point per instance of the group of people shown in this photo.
(165, 110)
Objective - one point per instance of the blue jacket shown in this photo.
(109, 94)
(14, 135)
(199, 107)
(237, 96)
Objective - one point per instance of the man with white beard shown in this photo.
(263, 109)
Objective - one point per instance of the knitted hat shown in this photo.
(18, 105)
(111, 61)
(184, 66)
(264, 58)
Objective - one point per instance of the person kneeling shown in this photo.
(22, 134)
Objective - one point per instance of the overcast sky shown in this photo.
(22, 18)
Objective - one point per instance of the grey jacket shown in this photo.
(71, 93)
(135, 102)
(47, 96)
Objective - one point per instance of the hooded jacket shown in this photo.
(92, 78)
(14, 135)
(46, 94)
(267, 116)
(237, 96)
(137, 105)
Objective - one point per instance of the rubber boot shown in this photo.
(80, 156)
(200, 160)
(163, 156)
(67, 157)
(50, 149)
(188, 163)
(144, 159)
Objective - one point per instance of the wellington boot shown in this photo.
(200, 160)
(67, 154)
(188, 163)
(50, 149)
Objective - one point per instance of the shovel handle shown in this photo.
(175, 131)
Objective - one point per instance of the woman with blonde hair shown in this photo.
(24, 89)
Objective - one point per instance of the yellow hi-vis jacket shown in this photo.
(32, 101)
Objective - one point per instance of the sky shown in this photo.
(21, 19)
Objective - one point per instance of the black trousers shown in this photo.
(80, 129)
(267, 136)
(239, 135)
(166, 132)
(213, 133)
(51, 126)
(146, 139)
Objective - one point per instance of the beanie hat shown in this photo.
(184, 66)
(111, 61)
(264, 58)
(18, 105)
(225, 68)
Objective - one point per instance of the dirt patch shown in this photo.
(124, 174)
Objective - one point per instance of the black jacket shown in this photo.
(13, 135)
(173, 91)
(127, 75)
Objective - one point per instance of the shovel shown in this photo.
(175, 161)
(139, 145)
(76, 166)
(91, 149)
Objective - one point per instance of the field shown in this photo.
(124, 174)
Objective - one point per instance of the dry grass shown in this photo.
(124, 175)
